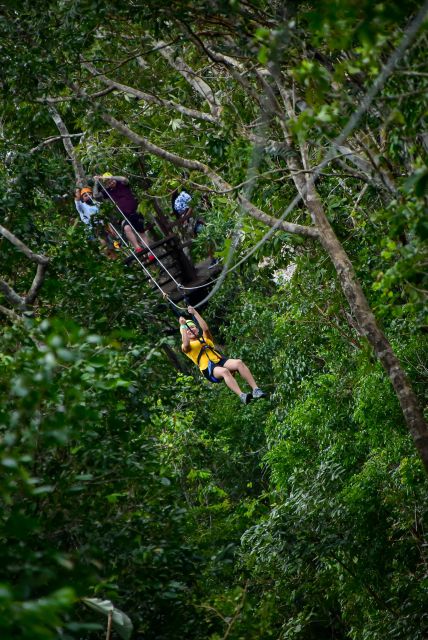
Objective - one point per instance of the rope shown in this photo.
(147, 272)
(141, 238)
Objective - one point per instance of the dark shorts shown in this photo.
(136, 220)
(208, 373)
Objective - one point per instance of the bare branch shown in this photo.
(197, 83)
(53, 139)
(147, 97)
(34, 257)
(353, 173)
(36, 284)
(42, 264)
(77, 166)
(10, 314)
(12, 296)
(370, 169)
(236, 69)
(195, 165)
(92, 96)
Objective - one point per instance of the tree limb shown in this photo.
(42, 264)
(77, 166)
(195, 165)
(34, 257)
(53, 139)
(9, 313)
(371, 169)
(12, 296)
(36, 284)
(147, 97)
(197, 83)
(92, 96)
(235, 68)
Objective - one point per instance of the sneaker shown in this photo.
(258, 393)
(246, 398)
(151, 257)
(138, 250)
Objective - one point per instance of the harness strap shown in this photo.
(204, 349)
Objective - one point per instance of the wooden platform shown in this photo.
(172, 253)
(203, 276)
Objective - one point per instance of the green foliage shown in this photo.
(146, 491)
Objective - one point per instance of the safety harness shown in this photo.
(206, 348)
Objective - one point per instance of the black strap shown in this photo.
(204, 349)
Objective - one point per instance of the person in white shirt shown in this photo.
(86, 206)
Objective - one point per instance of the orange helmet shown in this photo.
(85, 190)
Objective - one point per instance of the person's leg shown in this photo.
(237, 365)
(146, 239)
(131, 236)
(224, 374)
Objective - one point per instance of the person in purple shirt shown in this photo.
(117, 189)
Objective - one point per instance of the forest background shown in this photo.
(127, 479)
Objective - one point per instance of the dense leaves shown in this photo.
(136, 486)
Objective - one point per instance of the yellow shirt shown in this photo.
(195, 348)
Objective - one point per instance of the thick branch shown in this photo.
(10, 314)
(195, 165)
(367, 325)
(12, 296)
(354, 294)
(66, 138)
(77, 166)
(42, 263)
(199, 85)
(147, 97)
(34, 257)
(292, 160)
(36, 284)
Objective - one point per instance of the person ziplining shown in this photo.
(118, 190)
(213, 365)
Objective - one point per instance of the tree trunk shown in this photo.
(368, 326)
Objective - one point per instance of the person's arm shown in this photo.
(185, 341)
(205, 328)
(83, 213)
(97, 193)
(119, 179)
